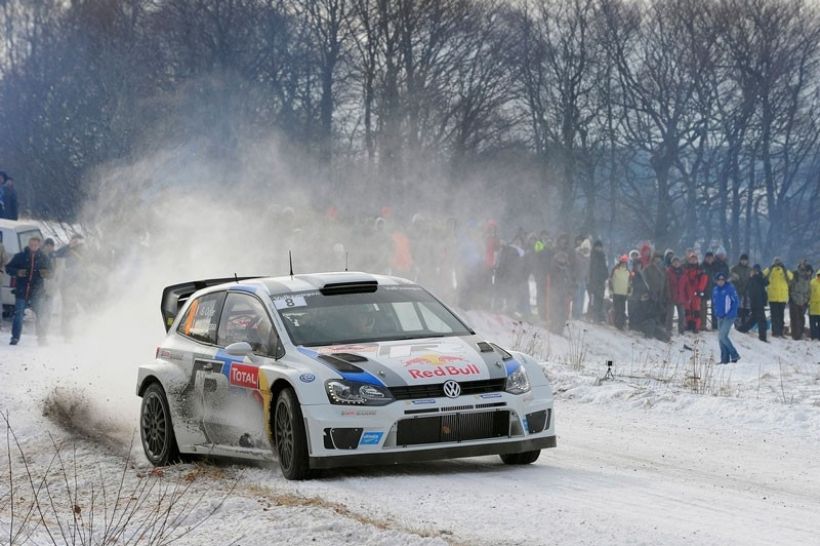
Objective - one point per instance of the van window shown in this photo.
(202, 318)
(24, 236)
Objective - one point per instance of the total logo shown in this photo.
(244, 376)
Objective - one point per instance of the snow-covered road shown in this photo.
(617, 477)
(623, 472)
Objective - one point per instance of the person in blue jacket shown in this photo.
(725, 304)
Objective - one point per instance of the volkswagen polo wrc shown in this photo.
(334, 369)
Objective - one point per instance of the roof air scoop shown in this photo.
(353, 287)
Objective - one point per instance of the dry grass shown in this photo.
(69, 502)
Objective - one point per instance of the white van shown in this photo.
(14, 236)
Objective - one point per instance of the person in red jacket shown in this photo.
(676, 277)
(696, 281)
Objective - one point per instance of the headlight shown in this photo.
(341, 391)
(517, 381)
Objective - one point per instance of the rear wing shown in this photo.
(175, 296)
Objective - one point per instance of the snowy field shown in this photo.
(674, 450)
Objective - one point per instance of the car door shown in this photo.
(195, 353)
(234, 407)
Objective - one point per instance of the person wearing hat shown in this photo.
(814, 307)
(779, 278)
(29, 267)
(739, 274)
(620, 286)
(799, 294)
(10, 206)
(756, 291)
(676, 279)
(598, 275)
(696, 282)
(725, 304)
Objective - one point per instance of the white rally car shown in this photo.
(334, 369)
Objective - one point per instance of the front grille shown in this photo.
(453, 428)
(437, 391)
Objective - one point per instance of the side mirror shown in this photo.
(242, 348)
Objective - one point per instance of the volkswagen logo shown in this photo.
(452, 389)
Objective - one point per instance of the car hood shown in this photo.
(414, 362)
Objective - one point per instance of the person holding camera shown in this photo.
(28, 268)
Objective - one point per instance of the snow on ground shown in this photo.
(653, 456)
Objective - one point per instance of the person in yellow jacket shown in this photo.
(779, 278)
(814, 307)
(620, 286)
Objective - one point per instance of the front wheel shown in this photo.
(528, 457)
(289, 436)
(156, 430)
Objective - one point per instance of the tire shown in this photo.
(528, 457)
(290, 441)
(156, 428)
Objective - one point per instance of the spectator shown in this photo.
(799, 295)
(561, 285)
(619, 284)
(29, 267)
(696, 283)
(778, 278)
(47, 293)
(712, 265)
(543, 253)
(645, 255)
(676, 279)
(725, 305)
(598, 273)
(582, 261)
(814, 307)
(655, 276)
(72, 277)
(4, 258)
(10, 210)
(667, 258)
(756, 291)
(740, 278)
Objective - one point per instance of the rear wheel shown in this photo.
(156, 430)
(289, 437)
(528, 457)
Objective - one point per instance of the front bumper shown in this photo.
(428, 429)
(450, 452)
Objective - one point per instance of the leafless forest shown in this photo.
(672, 120)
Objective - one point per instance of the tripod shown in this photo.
(609, 374)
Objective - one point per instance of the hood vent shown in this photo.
(349, 357)
(340, 364)
(485, 347)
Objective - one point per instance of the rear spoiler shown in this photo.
(175, 296)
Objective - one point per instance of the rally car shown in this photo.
(334, 369)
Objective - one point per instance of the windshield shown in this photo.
(389, 313)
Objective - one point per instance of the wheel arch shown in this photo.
(147, 381)
(276, 387)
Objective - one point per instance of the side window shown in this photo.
(202, 318)
(244, 319)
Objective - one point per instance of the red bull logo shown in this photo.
(443, 366)
(445, 371)
(432, 360)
